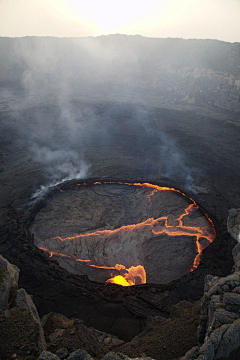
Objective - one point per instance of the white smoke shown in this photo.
(57, 77)
(60, 166)
(173, 163)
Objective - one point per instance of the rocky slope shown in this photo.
(211, 326)
(219, 328)
(204, 73)
(25, 337)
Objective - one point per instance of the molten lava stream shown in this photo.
(136, 274)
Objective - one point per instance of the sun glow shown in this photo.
(107, 15)
(198, 19)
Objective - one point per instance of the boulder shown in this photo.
(157, 339)
(47, 355)
(219, 329)
(233, 223)
(8, 283)
(191, 354)
(79, 355)
(222, 316)
(62, 353)
(107, 340)
(236, 256)
(20, 334)
(23, 300)
(231, 298)
(20, 326)
(230, 340)
(114, 356)
(61, 332)
(54, 321)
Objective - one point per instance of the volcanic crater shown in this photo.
(123, 233)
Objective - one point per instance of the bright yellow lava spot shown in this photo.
(119, 280)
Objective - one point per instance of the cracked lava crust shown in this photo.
(124, 233)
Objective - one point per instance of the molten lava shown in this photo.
(136, 274)
(133, 276)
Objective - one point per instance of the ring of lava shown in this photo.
(156, 234)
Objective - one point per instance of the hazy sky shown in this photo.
(201, 19)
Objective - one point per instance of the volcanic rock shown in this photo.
(233, 223)
(23, 300)
(79, 355)
(219, 328)
(20, 334)
(20, 326)
(8, 283)
(159, 336)
(61, 332)
(236, 257)
(53, 321)
(114, 356)
(105, 339)
(47, 355)
(231, 298)
(62, 353)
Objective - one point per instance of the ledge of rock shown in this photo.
(8, 283)
(233, 223)
(20, 327)
(219, 328)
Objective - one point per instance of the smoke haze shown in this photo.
(68, 95)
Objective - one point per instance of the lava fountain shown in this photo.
(123, 233)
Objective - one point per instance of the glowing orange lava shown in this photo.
(137, 274)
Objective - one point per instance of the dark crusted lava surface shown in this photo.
(131, 225)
